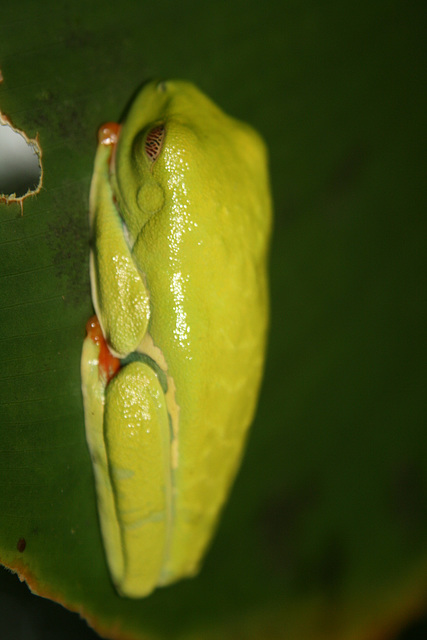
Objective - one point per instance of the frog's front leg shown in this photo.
(119, 294)
(128, 433)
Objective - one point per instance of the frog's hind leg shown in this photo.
(93, 388)
(137, 442)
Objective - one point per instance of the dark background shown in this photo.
(325, 535)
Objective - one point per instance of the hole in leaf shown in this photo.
(20, 166)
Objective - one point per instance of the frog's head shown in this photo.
(155, 137)
(175, 135)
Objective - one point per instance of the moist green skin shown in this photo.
(180, 291)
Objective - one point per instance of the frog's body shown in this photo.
(189, 303)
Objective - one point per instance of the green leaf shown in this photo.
(325, 533)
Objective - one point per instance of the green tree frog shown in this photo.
(180, 216)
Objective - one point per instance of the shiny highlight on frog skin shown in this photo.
(180, 215)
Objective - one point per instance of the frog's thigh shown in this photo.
(137, 440)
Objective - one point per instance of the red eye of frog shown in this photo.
(154, 142)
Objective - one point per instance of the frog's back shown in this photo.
(211, 239)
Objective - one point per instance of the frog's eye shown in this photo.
(154, 142)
